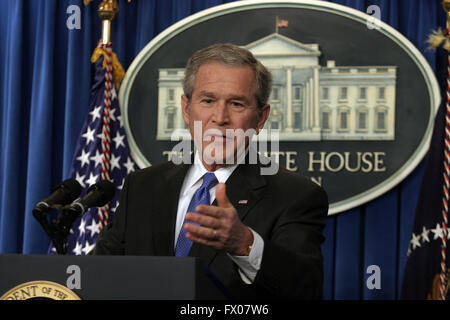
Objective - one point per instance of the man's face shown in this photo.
(223, 98)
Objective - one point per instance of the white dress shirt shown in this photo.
(248, 265)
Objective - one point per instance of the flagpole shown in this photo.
(107, 11)
(446, 187)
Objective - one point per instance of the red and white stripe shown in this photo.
(106, 140)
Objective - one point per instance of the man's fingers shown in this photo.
(206, 242)
(203, 220)
(212, 211)
(200, 232)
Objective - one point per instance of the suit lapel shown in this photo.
(244, 190)
(166, 211)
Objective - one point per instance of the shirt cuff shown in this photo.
(250, 265)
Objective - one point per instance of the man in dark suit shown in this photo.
(260, 234)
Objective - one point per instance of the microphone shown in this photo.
(64, 193)
(97, 195)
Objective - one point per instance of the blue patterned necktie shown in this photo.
(201, 196)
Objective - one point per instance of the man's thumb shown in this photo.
(221, 196)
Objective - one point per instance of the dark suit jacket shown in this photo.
(287, 210)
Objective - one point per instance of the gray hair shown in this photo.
(231, 55)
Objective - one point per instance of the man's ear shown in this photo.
(185, 108)
(263, 116)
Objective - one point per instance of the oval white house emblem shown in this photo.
(352, 117)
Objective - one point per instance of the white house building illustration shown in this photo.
(309, 102)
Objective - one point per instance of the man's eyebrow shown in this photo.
(210, 94)
(237, 97)
(206, 94)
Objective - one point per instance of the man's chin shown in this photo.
(219, 159)
(214, 153)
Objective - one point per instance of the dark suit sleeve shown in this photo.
(111, 240)
(292, 263)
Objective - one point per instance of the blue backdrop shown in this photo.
(45, 83)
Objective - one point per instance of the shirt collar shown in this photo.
(197, 171)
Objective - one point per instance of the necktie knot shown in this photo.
(209, 180)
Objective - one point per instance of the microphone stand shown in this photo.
(63, 223)
(59, 228)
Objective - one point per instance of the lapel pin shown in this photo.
(243, 201)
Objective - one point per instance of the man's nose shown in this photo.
(221, 115)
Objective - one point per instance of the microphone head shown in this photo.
(98, 195)
(72, 187)
(106, 189)
(64, 193)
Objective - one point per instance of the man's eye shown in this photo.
(208, 101)
(237, 104)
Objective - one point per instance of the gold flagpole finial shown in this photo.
(446, 6)
(439, 37)
(107, 11)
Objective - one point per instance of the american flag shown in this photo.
(87, 162)
(282, 23)
(426, 272)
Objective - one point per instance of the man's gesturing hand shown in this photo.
(220, 227)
